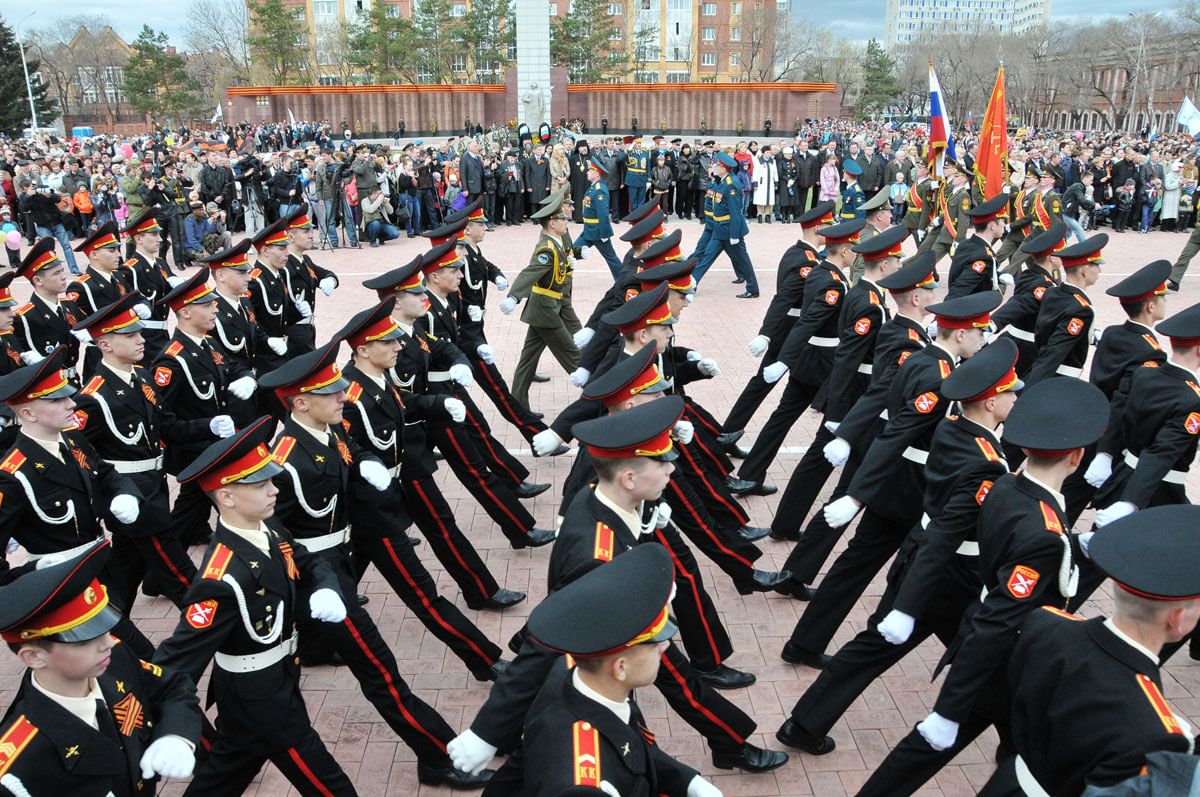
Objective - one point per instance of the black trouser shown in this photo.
(308, 766)
(819, 538)
(489, 207)
(808, 477)
(433, 516)
(507, 467)
(797, 397)
(190, 514)
(150, 549)
(512, 208)
(700, 627)
(751, 397)
(711, 486)
(488, 377)
(175, 225)
(708, 428)
(733, 554)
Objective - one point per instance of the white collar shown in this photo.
(621, 709)
(632, 520)
(433, 296)
(82, 707)
(259, 537)
(1128, 640)
(199, 341)
(322, 435)
(1058, 497)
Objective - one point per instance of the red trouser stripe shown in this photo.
(429, 606)
(391, 685)
(162, 553)
(716, 460)
(487, 441)
(708, 532)
(501, 395)
(466, 461)
(699, 471)
(691, 698)
(695, 590)
(698, 417)
(446, 536)
(294, 754)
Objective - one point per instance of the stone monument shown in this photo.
(533, 61)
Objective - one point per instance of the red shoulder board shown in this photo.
(1081, 299)
(283, 449)
(604, 543)
(130, 263)
(989, 451)
(1159, 704)
(586, 747)
(94, 385)
(1039, 292)
(873, 298)
(355, 391)
(173, 349)
(17, 738)
(13, 462)
(255, 273)
(944, 368)
(69, 296)
(218, 563)
(914, 335)
(812, 258)
(1195, 388)
(1153, 341)
(1059, 612)
(25, 308)
(83, 278)
(1050, 517)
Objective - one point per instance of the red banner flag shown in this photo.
(991, 167)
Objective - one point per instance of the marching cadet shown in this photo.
(1011, 256)
(919, 203)
(44, 323)
(319, 465)
(102, 283)
(303, 278)
(544, 286)
(585, 728)
(726, 227)
(954, 200)
(1087, 701)
(241, 614)
(10, 357)
(892, 472)
(786, 306)
(1047, 204)
(192, 379)
(1027, 559)
(276, 308)
(1064, 324)
(807, 353)
(852, 193)
(89, 716)
(913, 287)
(597, 228)
(1018, 316)
(119, 413)
(55, 488)
(936, 576)
(150, 274)
(973, 266)
(878, 214)
(238, 337)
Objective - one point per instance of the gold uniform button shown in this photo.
(297, 660)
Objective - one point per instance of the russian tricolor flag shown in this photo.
(941, 140)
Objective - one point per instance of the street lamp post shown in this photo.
(25, 67)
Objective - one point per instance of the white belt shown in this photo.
(883, 414)
(866, 368)
(827, 343)
(1172, 476)
(1027, 781)
(395, 471)
(916, 455)
(253, 662)
(154, 324)
(70, 553)
(438, 376)
(137, 465)
(1069, 370)
(325, 541)
(1022, 334)
(304, 321)
(795, 312)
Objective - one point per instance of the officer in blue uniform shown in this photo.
(636, 168)
(597, 229)
(725, 226)
(852, 194)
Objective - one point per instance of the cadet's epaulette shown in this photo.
(17, 738)
(586, 744)
(1063, 614)
(874, 299)
(836, 276)
(255, 273)
(1081, 299)
(218, 563)
(1153, 341)
(914, 335)
(1159, 704)
(944, 368)
(130, 263)
(988, 449)
(25, 308)
(82, 278)
(1050, 518)
(13, 462)
(173, 349)
(283, 449)
(94, 385)
(604, 543)
(355, 391)
(69, 296)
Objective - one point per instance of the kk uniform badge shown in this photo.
(1075, 326)
(862, 326)
(200, 615)
(831, 297)
(1022, 581)
(1039, 292)
(1192, 424)
(925, 403)
(81, 419)
(979, 266)
(162, 376)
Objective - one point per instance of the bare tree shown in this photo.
(760, 40)
(220, 26)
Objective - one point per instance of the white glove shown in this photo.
(456, 409)
(935, 222)
(475, 312)
(583, 337)
(1085, 540)
(611, 790)
(278, 345)
(1115, 512)
(175, 281)
(124, 508)
(168, 757)
(758, 344)
(327, 284)
(694, 356)
(1096, 333)
(896, 628)
(143, 310)
(486, 353)
(583, 252)
(708, 366)
(938, 731)
(684, 431)
(832, 426)
(462, 374)
(304, 308)
(774, 372)
(1005, 279)
(662, 515)
(243, 387)
(1099, 471)
(580, 376)
(375, 474)
(688, 298)
(470, 753)
(841, 511)
(699, 787)
(508, 305)
(501, 284)
(222, 426)
(30, 357)
(734, 241)
(82, 335)
(326, 605)
(546, 441)
(931, 329)
(837, 452)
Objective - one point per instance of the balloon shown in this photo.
(13, 241)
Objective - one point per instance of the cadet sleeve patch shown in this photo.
(543, 259)
(1022, 581)
(94, 385)
(1074, 326)
(804, 272)
(81, 418)
(283, 449)
(1159, 704)
(162, 376)
(354, 393)
(903, 357)
(1153, 341)
(630, 293)
(13, 462)
(1059, 612)
(14, 741)
(979, 266)
(1039, 292)
(586, 744)
(832, 297)
(603, 550)
(200, 615)
(984, 488)
(926, 402)
(1051, 519)
(173, 349)
(862, 326)
(989, 451)
(218, 563)
(1192, 424)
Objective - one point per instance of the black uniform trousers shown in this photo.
(819, 538)
(499, 461)
(751, 398)
(488, 377)
(707, 429)
(433, 516)
(160, 558)
(803, 487)
(191, 513)
(728, 551)
(876, 540)
(700, 628)
(711, 486)
(307, 765)
(797, 397)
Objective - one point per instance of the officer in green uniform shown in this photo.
(1021, 210)
(921, 199)
(953, 223)
(878, 213)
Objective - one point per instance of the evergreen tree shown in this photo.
(489, 29)
(441, 38)
(276, 41)
(579, 40)
(385, 46)
(880, 88)
(156, 78)
(14, 96)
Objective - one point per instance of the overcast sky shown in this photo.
(856, 19)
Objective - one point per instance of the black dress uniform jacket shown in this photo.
(864, 312)
(1121, 350)
(1020, 313)
(192, 380)
(236, 333)
(41, 328)
(151, 278)
(47, 750)
(418, 354)
(302, 277)
(478, 271)
(94, 290)
(897, 340)
(788, 302)
(808, 350)
(973, 268)
(274, 308)
(1063, 334)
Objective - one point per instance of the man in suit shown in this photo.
(471, 173)
(536, 171)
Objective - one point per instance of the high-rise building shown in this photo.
(911, 20)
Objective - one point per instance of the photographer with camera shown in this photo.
(284, 187)
(253, 198)
(42, 205)
(332, 175)
(153, 195)
(176, 187)
(217, 184)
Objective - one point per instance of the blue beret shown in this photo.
(727, 160)
(852, 167)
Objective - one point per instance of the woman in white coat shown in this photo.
(1172, 188)
(766, 183)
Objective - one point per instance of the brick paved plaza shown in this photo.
(718, 325)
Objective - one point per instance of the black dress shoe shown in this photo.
(334, 659)
(746, 487)
(737, 281)
(747, 295)
(538, 415)
(453, 778)
(540, 378)
(500, 599)
(529, 490)
(795, 589)
(729, 438)
(736, 452)
(750, 758)
(362, 599)
(534, 538)
(737, 485)
(793, 735)
(1173, 286)
(752, 533)
(785, 536)
(725, 677)
(795, 655)
(764, 581)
